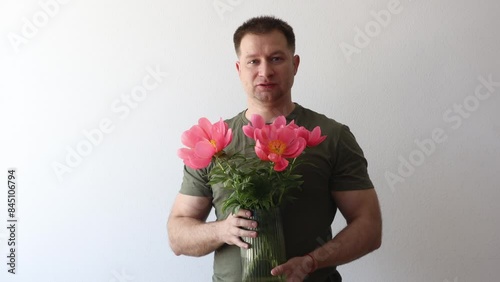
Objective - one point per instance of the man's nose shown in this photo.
(266, 69)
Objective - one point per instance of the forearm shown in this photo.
(362, 235)
(354, 241)
(192, 237)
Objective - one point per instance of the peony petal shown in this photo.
(192, 136)
(219, 127)
(221, 134)
(281, 165)
(292, 125)
(261, 136)
(261, 152)
(279, 122)
(257, 121)
(184, 153)
(303, 132)
(228, 137)
(274, 157)
(205, 125)
(248, 130)
(295, 148)
(315, 137)
(219, 140)
(189, 158)
(204, 149)
(287, 135)
(198, 163)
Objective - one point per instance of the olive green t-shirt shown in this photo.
(339, 165)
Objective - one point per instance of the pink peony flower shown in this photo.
(275, 142)
(256, 122)
(203, 141)
(313, 138)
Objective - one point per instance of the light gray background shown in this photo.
(103, 219)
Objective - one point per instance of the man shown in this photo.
(266, 65)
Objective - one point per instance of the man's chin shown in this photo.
(267, 96)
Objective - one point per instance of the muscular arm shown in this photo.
(361, 236)
(363, 233)
(191, 235)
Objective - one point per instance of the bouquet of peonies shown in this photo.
(256, 182)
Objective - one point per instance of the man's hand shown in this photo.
(191, 235)
(361, 236)
(234, 227)
(295, 269)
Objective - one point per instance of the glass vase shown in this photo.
(267, 250)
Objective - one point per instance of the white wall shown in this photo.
(104, 219)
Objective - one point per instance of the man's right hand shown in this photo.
(191, 235)
(236, 226)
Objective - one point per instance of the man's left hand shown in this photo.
(295, 269)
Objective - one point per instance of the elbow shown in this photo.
(177, 251)
(179, 248)
(377, 240)
(176, 244)
(173, 242)
(377, 243)
(374, 244)
(174, 247)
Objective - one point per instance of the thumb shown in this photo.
(278, 270)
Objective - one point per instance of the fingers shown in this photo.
(285, 270)
(236, 233)
(242, 220)
(278, 270)
(293, 270)
(239, 225)
(238, 242)
(243, 213)
(240, 232)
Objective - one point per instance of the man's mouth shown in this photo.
(266, 85)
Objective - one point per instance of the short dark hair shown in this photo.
(264, 25)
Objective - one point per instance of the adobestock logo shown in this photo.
(121, 276)
(223, 6)
(121, 107)
(48, 9)
(372, 29)
(454, 116)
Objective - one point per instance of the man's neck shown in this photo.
(268, 111)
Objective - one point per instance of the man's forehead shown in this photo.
(269, 43)
(273, 36)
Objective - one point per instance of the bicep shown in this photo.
(358, 204)
(191, 206)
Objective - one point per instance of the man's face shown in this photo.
(267, 67)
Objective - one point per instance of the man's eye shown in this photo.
(252, 62)
(276, 59)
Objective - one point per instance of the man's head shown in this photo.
(263, 25)
(266, 62)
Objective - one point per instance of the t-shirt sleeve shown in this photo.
(195, 183)
(350, 169)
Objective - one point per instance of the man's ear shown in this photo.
(238, 66)
(296, 62)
